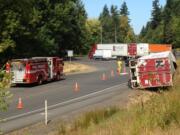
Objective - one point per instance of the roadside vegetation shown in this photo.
(4, 93)
(158, 116)
(163, 27)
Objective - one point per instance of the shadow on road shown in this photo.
(35, 84)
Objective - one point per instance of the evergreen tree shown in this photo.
(106, 23)
(143, 31)
(124, 9)
(126, 33)
(115, 22)
(167, 16)
(156, 14)
(166, 28)
(105, 13)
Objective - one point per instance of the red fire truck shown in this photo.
(35, 70)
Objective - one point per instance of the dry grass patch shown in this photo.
(85, 121)
(73, 67)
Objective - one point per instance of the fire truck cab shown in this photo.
(35, 70)
(55, 68)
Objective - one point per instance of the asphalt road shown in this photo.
(61, 97)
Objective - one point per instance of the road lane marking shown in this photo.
(44, 113)
(62, 103)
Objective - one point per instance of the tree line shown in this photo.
(50, 27)
(112, 26)
(164, 25)
(41, 27)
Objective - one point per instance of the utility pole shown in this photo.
(101, 35)
(115, 34)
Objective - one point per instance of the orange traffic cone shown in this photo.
(112, 73)
(20, 104)
(103, 77)
(124, 71)
(76, 87)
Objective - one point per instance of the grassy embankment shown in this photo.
(158, 116)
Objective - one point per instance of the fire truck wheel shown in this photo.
(58, 77)
(40, 81)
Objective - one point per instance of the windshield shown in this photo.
(18, 66)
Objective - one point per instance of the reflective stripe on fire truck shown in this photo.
(35, 71)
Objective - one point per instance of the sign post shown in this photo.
(70, 54)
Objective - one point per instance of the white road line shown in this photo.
(62, 103)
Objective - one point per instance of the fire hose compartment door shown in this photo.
(50, 68)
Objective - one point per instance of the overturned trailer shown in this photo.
(153, 70)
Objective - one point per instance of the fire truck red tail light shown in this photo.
(8, 67)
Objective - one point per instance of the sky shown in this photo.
(140, 10)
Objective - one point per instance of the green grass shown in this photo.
(158, 116)
(94, 117)
(87, 120)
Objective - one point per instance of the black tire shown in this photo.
(40, 80)
(129, 83)
(58, 77)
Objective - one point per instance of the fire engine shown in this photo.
(35, 70)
